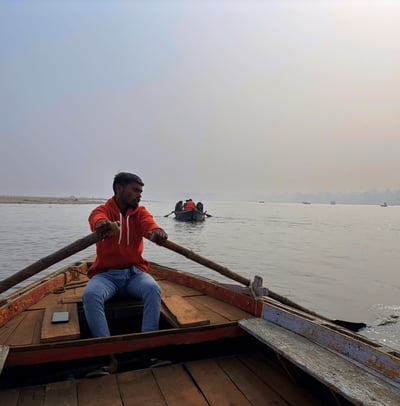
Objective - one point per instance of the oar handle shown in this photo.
(49, 260)
(173, 246)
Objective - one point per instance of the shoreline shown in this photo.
(49, 200)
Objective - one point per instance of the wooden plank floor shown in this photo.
(239, 380)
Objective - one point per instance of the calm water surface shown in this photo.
(339, 260)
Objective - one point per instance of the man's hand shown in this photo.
(107, 228)
(159, 236)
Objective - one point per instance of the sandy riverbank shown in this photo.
(48, 200)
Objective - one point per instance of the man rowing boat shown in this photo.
(119, 268)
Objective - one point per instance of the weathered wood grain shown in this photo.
(9, 397)
(339, 374)
(63, 393)
(140, 388)
(183, 312)
(278, 380)
(101, 391)
(215, 384)
(224, 309)
(169, 289)
(213, 316)
(177, 387)
(60, 331)
(27, 332)
(254, 389)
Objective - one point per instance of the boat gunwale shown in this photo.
(354, 347)
(27, 296)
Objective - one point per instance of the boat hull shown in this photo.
(190, 215)
(327, 355)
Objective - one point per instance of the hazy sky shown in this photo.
(230, 99)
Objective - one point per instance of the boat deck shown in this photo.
(248, 379)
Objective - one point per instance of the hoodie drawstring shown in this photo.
(120, 228)
(127, 230)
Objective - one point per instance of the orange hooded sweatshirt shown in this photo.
(190, 205)
(125, 248)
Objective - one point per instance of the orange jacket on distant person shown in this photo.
(190, 205)
(125, 248)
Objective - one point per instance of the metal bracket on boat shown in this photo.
(75, 272)
(65, 277)
(256, 288)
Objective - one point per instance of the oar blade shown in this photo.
(353, 326)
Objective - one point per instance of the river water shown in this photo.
(339, 260)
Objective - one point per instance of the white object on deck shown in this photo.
(4, 349)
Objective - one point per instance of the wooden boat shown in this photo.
(190, 215)
(221, 344)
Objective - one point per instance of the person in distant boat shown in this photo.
(199, 206)
(179, 206)
(119, 268)
(189, 205)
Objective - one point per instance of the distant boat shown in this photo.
(190, 215)
(306, 202)
(333, 202)
(261, 201)
(384, 204)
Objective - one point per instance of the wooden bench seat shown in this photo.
(183, 313)
(60, 331)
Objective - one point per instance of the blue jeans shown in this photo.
(131, 282)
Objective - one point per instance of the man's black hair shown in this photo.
(125, 178)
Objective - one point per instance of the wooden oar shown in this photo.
(208, 215)
(173, 246)
(173, 211)
(57, 256)
(49, 260)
